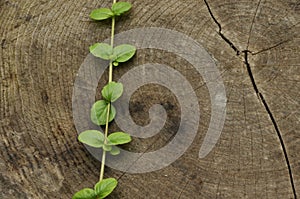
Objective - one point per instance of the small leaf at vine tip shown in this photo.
(92, 138)
(101, 14)
(112, 91)
(123, 53)
(115, 150)
(102, 50)
(105, 187)
(107, 147)
(116, 63)
(118, 138)
(120, 7)
(85, 193)
(99, 112)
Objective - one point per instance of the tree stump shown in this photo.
(255, 45)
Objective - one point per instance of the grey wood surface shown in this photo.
(255, 45)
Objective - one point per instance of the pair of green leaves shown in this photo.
(96, 139)
(111, 92)
(121, 53)
(117, 9)
(101, 190)
(103, 108)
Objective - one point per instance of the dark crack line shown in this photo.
(270, 48)
(259, 95)
(279, 43)
(220, 30)
(262, 99)
(252, 24)
(250, 72)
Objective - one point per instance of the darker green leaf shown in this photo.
(112, 91)
(99, 112)
(101, 14)
(105, 187)
(118, 138)
(86, 193)
(120, 8)
(123, 53)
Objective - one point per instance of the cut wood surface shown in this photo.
(256, 47)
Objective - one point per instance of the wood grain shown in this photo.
(43, 44)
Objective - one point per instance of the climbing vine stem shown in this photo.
(103, 111)
(110, 77)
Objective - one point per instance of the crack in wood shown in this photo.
(220, 30)
(267, 108)
(258, 93)
(250, 32)
(250, 72)
(271, 47)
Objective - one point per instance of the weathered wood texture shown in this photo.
(43, 44)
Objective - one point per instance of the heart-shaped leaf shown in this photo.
(115, 150)
(85, 193)
(105, 187)
(101, 14)
(102, 50)
(99, 112)
(112, 91)
(118, 138)
(120, 8)
(123, 53)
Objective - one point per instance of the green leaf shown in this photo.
(102, 50)
(115, 63)
(85, 193)
(107, 147)
(99, 112)
(118, 138)
(123, 53)
(112, 91)
(115, 150)
(105, 187)
(101, 14)
(120, 8)
(92, 138)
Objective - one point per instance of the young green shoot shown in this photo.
(103, 111)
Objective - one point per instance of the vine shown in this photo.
(103, 111)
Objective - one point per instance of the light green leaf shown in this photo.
(102, 50)
(86, 193)
(101, 14)
(115, 63)
(112, 91)
(123, 53)
(99, 112)
(107, 147)
(115, 150)
(120, 8)
(105, 187)
(92, 138)
(118, 138)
